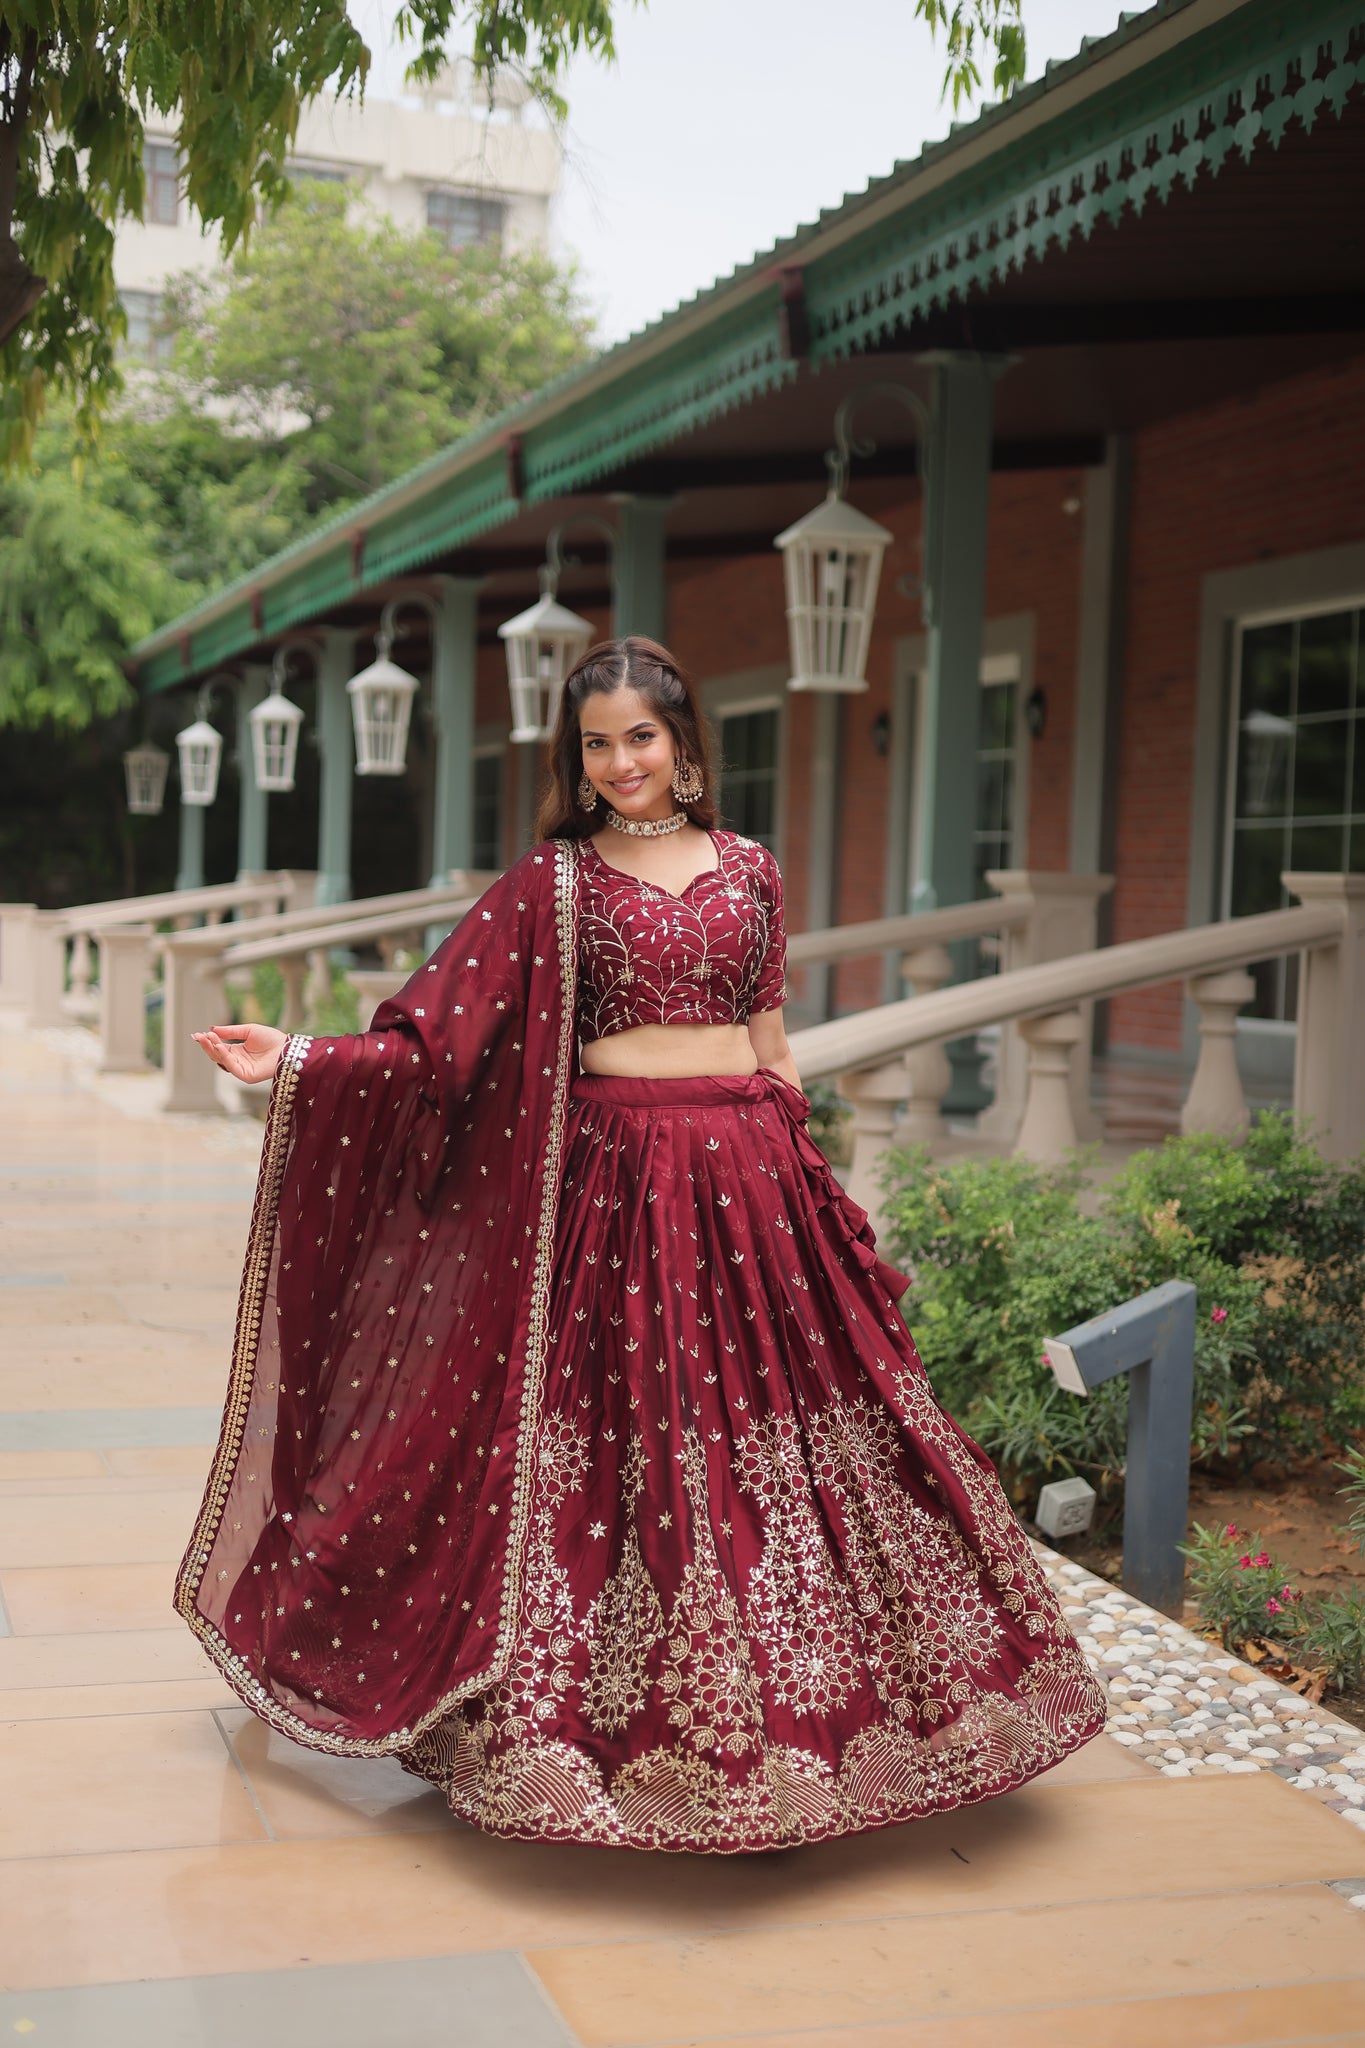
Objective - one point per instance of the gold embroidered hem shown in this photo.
(540, 1789)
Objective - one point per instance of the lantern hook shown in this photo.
(839, 460)
(279, 666)
(556, 561)
(389, 629)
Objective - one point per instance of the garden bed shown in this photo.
(1299, 1518)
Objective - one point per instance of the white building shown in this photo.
(444, 161)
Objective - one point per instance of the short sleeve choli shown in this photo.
(713, 955)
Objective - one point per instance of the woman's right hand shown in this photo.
(249, 1052)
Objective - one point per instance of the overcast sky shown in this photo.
(724, 124)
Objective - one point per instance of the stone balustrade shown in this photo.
(300, 942)
(47, 956)
(1047, 1002)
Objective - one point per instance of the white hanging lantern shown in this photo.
(381, 708)
(831, 561)
(145, 769)
(201, 752)
(542, 644)
(275, 726)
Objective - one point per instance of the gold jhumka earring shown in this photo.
(687, 782)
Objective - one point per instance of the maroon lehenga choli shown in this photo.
(575, 1451)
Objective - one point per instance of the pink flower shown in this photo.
(1261, 1557)
(1287, 1593)
(1244, 1563)
(1272, 1606)
(1218, 1315)
(1230, 1531)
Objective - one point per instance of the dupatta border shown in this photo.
(246, 1340)
(260, 1245)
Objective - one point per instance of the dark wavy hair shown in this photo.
(630, 664)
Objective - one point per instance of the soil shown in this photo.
(1298, 1520)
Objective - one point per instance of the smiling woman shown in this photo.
(605, 1487)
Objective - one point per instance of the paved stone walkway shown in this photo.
(173, 1873)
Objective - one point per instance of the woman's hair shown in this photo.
(629, 664)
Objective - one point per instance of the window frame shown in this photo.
(157, 177)
(495, 201)
(1252, 619)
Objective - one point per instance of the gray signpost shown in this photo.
(1151, 1338)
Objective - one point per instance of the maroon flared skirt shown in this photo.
(773, 1592)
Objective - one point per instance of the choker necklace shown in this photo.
(646, 828)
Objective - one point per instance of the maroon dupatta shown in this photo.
(356, 1567)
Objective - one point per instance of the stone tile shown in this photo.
(1099, 1760)
(884, 1971)
(141, 1426)
(1269, 2017)
(148, 1528)
(188, 1460)
(32, 1311)
(126, 1657)
(43, 1464)
(76, 1599)
(89, 1919)
(98, 1366)
(149, 1781)
(115, 1918)
(87, 1702)
(303, 1792)
(479, 2001)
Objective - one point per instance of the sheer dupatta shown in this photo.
(356, 1566)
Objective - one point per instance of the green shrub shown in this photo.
(1243, 1597)
(1003, 1253)
(1332, 1639)
(829, 1122)
(1241, 1594)
(1353, 1493)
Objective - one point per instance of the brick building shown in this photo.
(1129, 306)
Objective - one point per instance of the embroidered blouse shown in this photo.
(713, 955)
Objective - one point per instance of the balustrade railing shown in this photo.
(873, 1053)
(47, 959)
(197, 964)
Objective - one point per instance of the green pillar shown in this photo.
(454, 674)
(189, 873)
(253, 805)
(958, 503)
(336, 746)
(957, 515)
(639, 570)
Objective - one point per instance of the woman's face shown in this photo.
(628, 753)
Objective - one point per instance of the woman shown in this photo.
(575, 1451)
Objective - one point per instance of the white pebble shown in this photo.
(1355, 1815)
(1244, 1766)
(1267, 1755)
(1175, 1770)
(1125, 1736)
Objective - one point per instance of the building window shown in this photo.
(748, 776)
(487, 836)
(1296, 794)
(148, 335)
(319, 174)
(460, 218)
(162, 168)
(997, 769)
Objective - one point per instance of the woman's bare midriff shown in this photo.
(672, 1052)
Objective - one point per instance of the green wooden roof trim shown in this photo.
(738, 360)
(1127, 142)
(469, 505)
(1212, 96)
